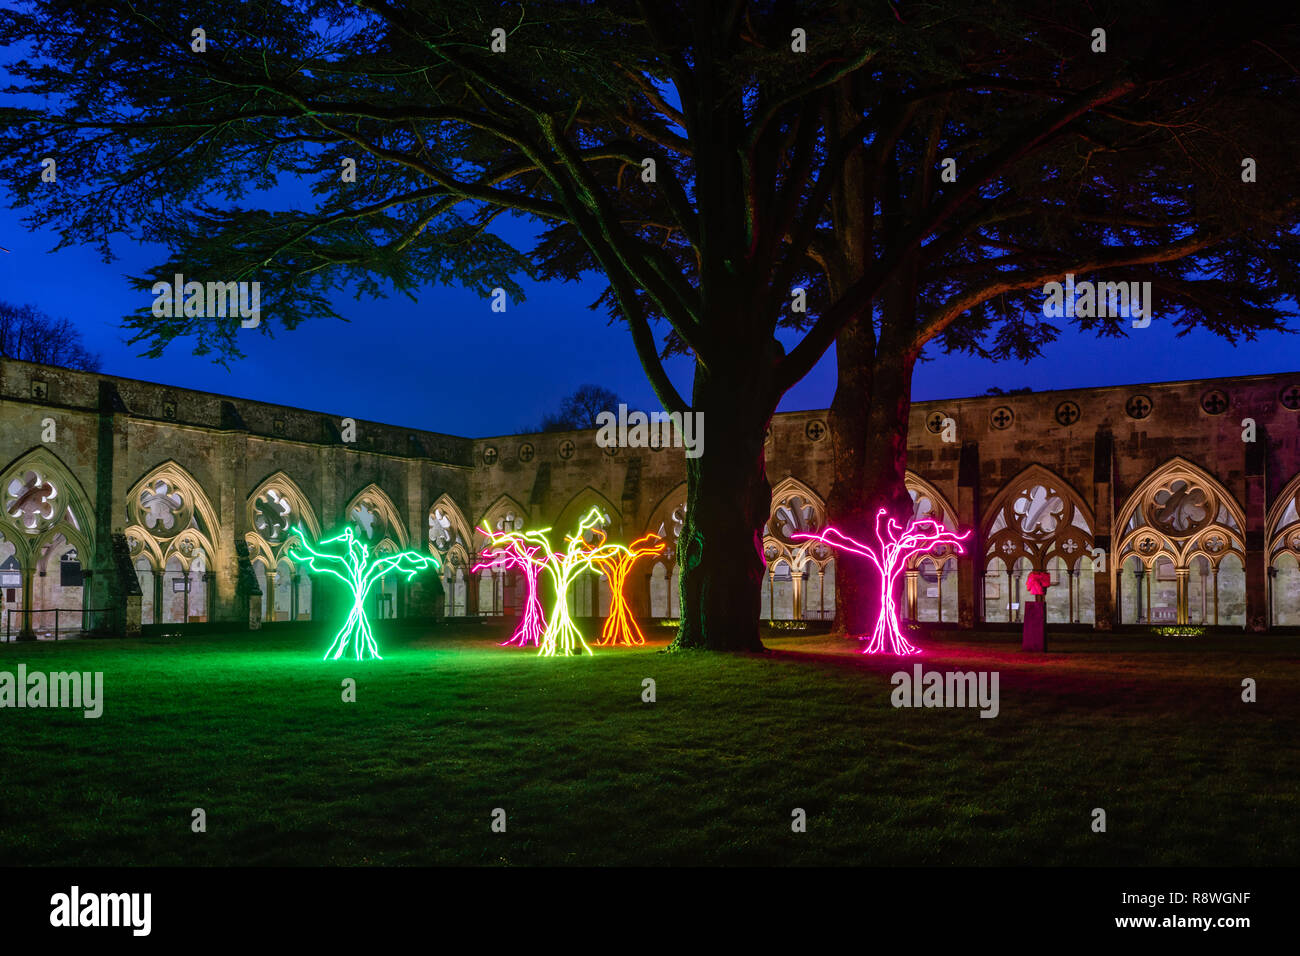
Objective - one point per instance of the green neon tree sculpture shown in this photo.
(359, 571)
(562, 635)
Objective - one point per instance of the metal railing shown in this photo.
(82, 613)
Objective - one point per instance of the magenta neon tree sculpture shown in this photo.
(510, 550)
(897, 545)
(355, 566)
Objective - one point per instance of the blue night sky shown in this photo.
(428, 364)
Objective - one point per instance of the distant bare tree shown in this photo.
(33, 336)
(580, 409)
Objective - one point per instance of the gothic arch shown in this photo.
(449, 536)
(43, 499)
(929, 502)
(143, 545)
(275, 506)
(666, 519)
(1038, 516)
(586, 499)
(1283, 577)
(165, 512)
(504, 514)
(259, 549)
(370, 506)
(1183, 511)
(1284, 521)
(795, 508)
(1178, 529)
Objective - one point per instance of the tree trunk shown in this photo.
(869, 427)
(728, 498)
(855, 355)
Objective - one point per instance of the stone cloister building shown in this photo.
(130, 503)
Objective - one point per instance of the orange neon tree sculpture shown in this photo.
(620, 626)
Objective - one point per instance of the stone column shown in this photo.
(116, 583)
(270, 593)
(1182, 574)
(26, 632)
(85, 599)
(1073, 582)
(970, 564)
(1255, 504)
(1143, 595)
(471, 593)
(232, 488)
(912, 575)
(1105, 580)
(1214, 576)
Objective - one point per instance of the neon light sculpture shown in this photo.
(891, 560)
(360, 572)
(511, 551)
(561, 634)
(621, 626)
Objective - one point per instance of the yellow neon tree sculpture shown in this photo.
(621, 626)
(562, 635)
(360, 572)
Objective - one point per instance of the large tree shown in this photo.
(693, 152)
(455, 111)
(1164, 158)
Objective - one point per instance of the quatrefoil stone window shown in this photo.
(31, 500)
(441, 532)
(510, 522)
(367, 519)
(272, 514)
(1181, 507)
(793, 515)
(1039, 511)
(159, 506)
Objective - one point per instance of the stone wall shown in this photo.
(1092, 456)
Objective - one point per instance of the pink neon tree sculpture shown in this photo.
(510, 550)
(896, 546)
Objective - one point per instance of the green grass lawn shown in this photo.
(449, 726)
